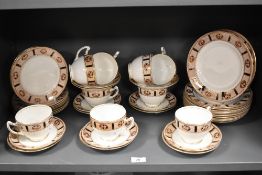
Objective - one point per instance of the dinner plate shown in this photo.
(39, 75)
(220, 66)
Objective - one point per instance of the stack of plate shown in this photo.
(222, 112)
(39, 76)
(221, 66)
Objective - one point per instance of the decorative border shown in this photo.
(86, 139)
(16, 71)
(192, 128)
(248, 66)
(96, 93)
(152, 92)
(146, 59)
(14, 142)
(78, 99)
(108, 126)
(90, 70)
(170, 129)
(34, 127)
(169, 96)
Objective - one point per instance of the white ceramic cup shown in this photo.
(109, 121)
(152, 97)
(161, 69)
(96, 97)
(32, 122)
(104, 67)
(193, 123)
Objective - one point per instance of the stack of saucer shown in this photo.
(39, 76)
(153, 75)
(114, 131)
(35, 129)
(97, 76)
(221, 66)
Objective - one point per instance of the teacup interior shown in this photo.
(193, 115)
(107, 112)
(33, 114)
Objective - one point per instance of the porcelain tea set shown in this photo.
(219, 91)
(153, 75)
(97, 76)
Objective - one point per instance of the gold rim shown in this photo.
(89, 143)
(171, 98)
(13, 141)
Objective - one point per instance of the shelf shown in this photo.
(40, 4)
(240, 149)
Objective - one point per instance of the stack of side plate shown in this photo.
(222, 112)
(58, 105)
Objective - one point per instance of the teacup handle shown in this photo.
(209, 108)
(163, 51)
(116, 54)
(8, 124)
(129, 122)
(115, 90)
(82, 48)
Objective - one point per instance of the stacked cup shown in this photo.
(153, 74)
(96, 75)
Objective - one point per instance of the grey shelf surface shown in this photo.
(38, 4)
(240, 149)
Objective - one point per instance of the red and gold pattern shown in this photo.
(147, 68)
(109, 126)
(192, 128)
(90, 70)
(244, 50)
(152, 92)
(34, 127)
(96, 93)
(16, 72)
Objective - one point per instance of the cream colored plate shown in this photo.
(22, 144)
(81, 105)
(85, 136)
(209, 143)
(168, 104)
(220, 66)
(38, 75)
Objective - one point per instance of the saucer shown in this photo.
(111, 84)
(209, 143)
(23, 144)
(170, 83)
(89, 139)
(168, 104)
(48, 80)
(81, 105)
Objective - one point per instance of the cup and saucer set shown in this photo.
(109, 128)
(97, 76)
(153, 75)
(35, 129)
(39, 76)
(221, 66)
(192, 131)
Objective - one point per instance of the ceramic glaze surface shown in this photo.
(163, 69)
(108, 112)
(193, 115)
(40, 75)
(220, 66)
(33, 114)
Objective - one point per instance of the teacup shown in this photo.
(109, 121)
(193, 123)
(98, 69)
(158, 69)
(32, 122)
(152, 97)
(99, 96)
